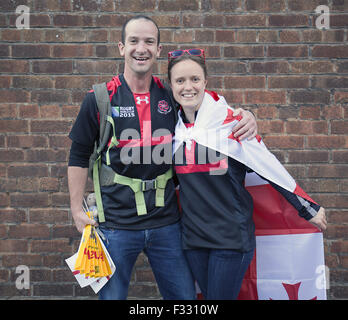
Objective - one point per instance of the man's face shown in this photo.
(140, 49)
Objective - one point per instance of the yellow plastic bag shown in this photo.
(91, 259)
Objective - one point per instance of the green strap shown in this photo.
(97, 192)
(161, 186)
(113, 142)
(137, 186)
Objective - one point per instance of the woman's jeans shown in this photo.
(219, 273)
(163, 249)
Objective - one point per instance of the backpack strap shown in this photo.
(172, 100)
(104, 107)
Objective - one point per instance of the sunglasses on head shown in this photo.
(192, 52)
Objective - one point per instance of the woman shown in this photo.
(218, 229)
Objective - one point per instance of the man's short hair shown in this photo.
(138, 18)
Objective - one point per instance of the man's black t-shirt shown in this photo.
(144, 126)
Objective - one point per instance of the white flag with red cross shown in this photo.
(289, 258)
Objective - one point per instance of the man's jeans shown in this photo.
(163, 249)
(219, 273)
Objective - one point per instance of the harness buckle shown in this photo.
(147, 185)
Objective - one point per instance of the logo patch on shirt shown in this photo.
(163, 107)
(123, 112)
(140, 99)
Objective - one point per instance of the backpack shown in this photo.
(104, 107)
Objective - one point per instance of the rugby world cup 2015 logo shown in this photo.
(163, 107)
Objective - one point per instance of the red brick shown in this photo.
(302, 96)
(284, 142)
(50, 96)
(288, 82)
(287, 51)
(47, 126)
(50, 111)
(329, 82)
(27, 171)
(288, 20)
(12, 245)
(5, 81)
(32, 231)
(48, 215)
(28, 111)
(49, 184)
(265, 6)
(72, 51)
(306, 127)
(326, 51)
(269, 67)
(339, 127)
(46, 155)
(224, 35)
(92, 67)
(246, 36)
(340, 156)
(63, 82)
(225, 67)
(252, 20)
(328, 142)
(12, 216)
(309, 112)
(11, 155)
(312, 67)
(333, 112)
(265, 97)
(308, 157)
(8, 111)
(183, 36)
(31, 141)
(289, 36)
(13, 126)
(270, 127)
(14, 95)
(245, 82)
(14, 66)
(29, 200)
(49, 246)
(71, 20)
(243, 51)
(31, 51)
(52, 67)
(168, 5)
(309, 5)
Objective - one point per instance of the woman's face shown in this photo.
(188, 83)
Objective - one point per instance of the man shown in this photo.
(145, 220)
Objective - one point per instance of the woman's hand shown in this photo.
(319, 220)
(247, 126)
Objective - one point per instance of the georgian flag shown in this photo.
(289, 256)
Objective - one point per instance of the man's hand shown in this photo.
(319, 220)
(81, 220)
(247, 126)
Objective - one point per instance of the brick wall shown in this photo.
(267, 55)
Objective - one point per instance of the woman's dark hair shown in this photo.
(138, 18)
(185, 56)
